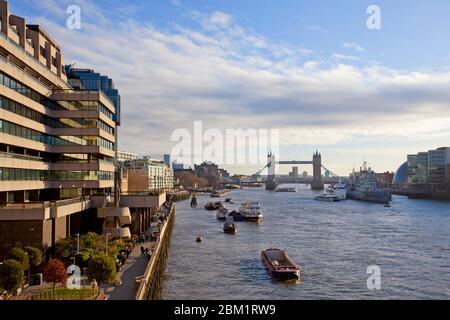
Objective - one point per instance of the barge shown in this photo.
(280, 265)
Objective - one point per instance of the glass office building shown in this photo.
(429, 168)
(87, 79)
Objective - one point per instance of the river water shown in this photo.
(333, 243)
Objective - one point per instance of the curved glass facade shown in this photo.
(401, 175)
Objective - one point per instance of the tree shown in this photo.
(11, 275)
(102, 268)
(35, 256)
(55, 272)
(21, 256)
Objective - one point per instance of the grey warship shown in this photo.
(364, 187)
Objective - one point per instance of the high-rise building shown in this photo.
(429, 168)
(167, 160)
(57, 143)
(86, 79)
(295, 172)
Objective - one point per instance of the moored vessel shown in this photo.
(213, 206)
(251, 210)
(218, 193)
(365, 187)
(222, 213)
(279, 264)
(328, 198)
(237, 216)
(229, 226)
(194, 202)
(285, 189)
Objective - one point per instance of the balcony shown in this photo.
(123, 214)
(117, 233)
(32, 211)
(83, 95)
(25, 211)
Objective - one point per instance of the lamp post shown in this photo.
(107, 235)
(78, 243)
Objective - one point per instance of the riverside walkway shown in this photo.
(134, 267)
(141, 276)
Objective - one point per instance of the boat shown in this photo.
(339, 190)
(222, 213)
(213, 206)
(279, 264)
(232, 186)
(328, 198)
(237, 216)
(228, 200)
(194, 202)
(280, 189)
(218, 193)
(251, 210)
(229, 226)
(364, 186)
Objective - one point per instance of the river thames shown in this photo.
(333, 243)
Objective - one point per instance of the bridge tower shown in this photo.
(271, 177)
(317, 183)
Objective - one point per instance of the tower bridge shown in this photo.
(316, 162)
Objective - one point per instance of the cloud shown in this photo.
(353, 46)
(316, 28)
(231, 77)
(337, 56)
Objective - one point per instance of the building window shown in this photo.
(42, 51)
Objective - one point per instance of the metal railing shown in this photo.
(44, 204)
(100, 92)
(26, 205)
(34, 59)
(27, 74)
(20, 156)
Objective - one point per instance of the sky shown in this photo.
(311, 69)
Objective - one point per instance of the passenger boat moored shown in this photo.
(279, 264)
(252, 211)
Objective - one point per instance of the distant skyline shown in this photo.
(310, 68)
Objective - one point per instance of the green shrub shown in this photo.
(11, 275)
(35, 256)
(102, 268)
(21, 256)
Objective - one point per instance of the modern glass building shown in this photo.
(401, 175)
(429, 168)
(86, 79)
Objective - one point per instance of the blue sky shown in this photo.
(310, 68)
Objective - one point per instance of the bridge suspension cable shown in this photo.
(257, 173)
(331, 172)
